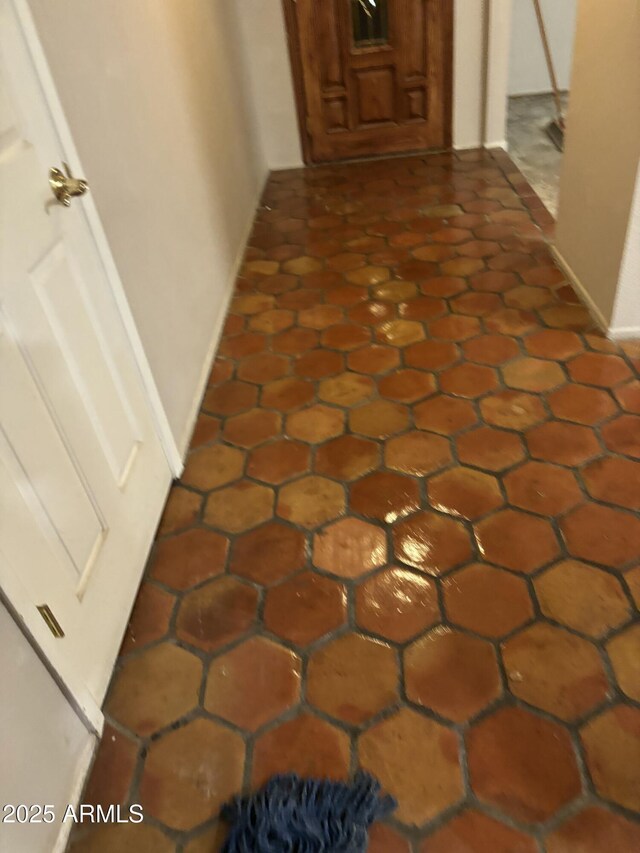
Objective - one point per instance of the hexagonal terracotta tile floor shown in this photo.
(407, 536)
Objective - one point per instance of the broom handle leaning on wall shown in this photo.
(549, 58)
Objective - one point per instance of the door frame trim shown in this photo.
(295, 57)
(51, 98)
(297, 74)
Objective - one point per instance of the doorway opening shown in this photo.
(531, 105)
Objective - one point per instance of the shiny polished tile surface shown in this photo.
(406, 537)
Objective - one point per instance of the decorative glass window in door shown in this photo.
(370, 22)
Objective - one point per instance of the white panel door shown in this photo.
(83, 475)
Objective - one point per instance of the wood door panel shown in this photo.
(375, 99)
(360, 97)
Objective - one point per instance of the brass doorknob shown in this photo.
(65, 187)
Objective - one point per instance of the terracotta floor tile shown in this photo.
(624, 653)
(230, 398)
(181, 789)
(543, 489)
(125, 838)
(582, 597)
(379, 419)
(455, 328)
(407, 386)
(295, 341)
(315, 424)
(149, 619)
(209, 841)
(517, 541)
(623, 435)
(211, 467)
(383, 839)
(474, 832)
(554, 344)
(350, 548)
(476, 304)
(305, 745)
(346, 389)
(486, 600)
(512, 410)
(385, 496)
(431, 355)
(555, 671)
(206, 430)
(628, 396)
(181, 510)
(268, 554)
(468, 380)
(614, 480)
(533, 374)
(374, 359)
(311, 501)
(253, 683)
(417, 453)
(279, 461)
(565, 444)
(602, 535)
(263, 368)
(605, 371)
(491, 449)
(581, 404)
(287, 394)
(305, 608)
(154, 689)
(464, 492)
(612, 749)
(239, 507)
(411, 418)
(185, 560)
(318, 364)
(522, 764)
(431, 543)
(112, 771)
(408, 739)
(451, 673)
(217, 613)
(347, 457)
(353, 678)
(593, 830)
(445, 415)
(397, 604)
(492, 350)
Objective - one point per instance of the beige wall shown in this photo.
(528, 70)
(267, 58)
(156, 95)
(625, 322)
(602, 147)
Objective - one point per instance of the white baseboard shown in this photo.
(624, 333)
(83, 767)
(217, 331)
(467, 146)
(500, 144)
(285, 167)
(584, 295)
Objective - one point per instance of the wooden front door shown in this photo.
(372, 77)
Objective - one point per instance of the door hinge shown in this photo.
(52, 623)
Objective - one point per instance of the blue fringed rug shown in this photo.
(294, 815)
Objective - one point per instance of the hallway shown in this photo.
(406, 537)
